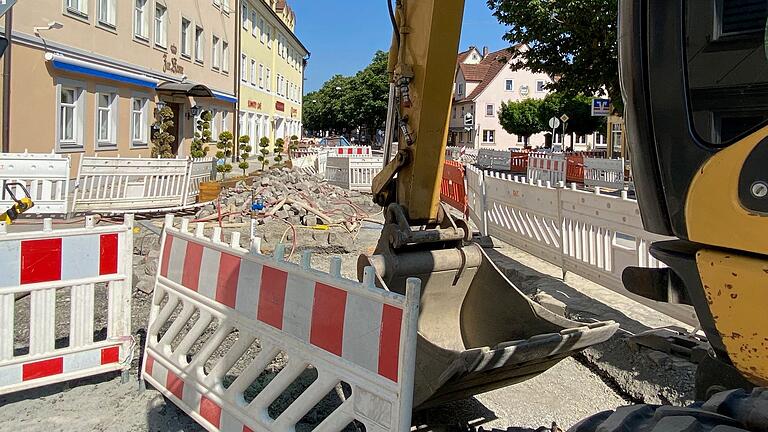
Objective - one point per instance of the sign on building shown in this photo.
(469, 120)
(601, 107)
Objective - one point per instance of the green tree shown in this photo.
(264, 152)
(198, 148)
(279, 149)
(225, 151)
(578, 109)
(571, 40)
(162, 138)
(245, 153)
(521, 118)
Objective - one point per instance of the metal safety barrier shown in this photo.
(80, 276)
(494, 159)
(605, 173)
(353, 173)
(547, 167)
(200, 170)
(452, 187)
(590, 234)
(46, 177)
(223, 318)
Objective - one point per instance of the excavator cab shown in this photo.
(694, 77)
(477, 331)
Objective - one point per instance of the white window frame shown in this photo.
(507, 86)
(268, 80)
(262, 30)
(489, 133)
(224, 121)
(244, 18)
(161, 37)
(185, 42)
(108, 13)
(77, 144)
(460, 89)
(143, 141)
(243, 68)
(269, 36)
(141, 20)
(110, 143)
(199, 44)
(224, 57)
(493, 110)
(253, 72)
(261, 76)
(76, 7)
(214, 124)
(543, 83)
(255, 29)
(215, 53)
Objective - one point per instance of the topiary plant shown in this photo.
(279, 149)
(264, 150)
(225, 151)
(245, 153)
(293, 146)
(161, 138)
(202, 136)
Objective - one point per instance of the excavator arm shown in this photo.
(477, 331)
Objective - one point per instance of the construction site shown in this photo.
(433, 283)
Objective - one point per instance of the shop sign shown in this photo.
(280, 106)
(254, 104)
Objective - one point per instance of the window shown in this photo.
(261, 76)
(79, 7)
(269, 36)
(70, 124)
(106, 119)
(254, 27)
(224, 121)
(245, 16)
(107, 13)
(268, 80)
(522, 140)
(263, 30)
(199, 44)
(243, 68)
(540, 86)
(489, 110)
(460, 89)
(139, 123)
(454, 112)
(161, 25)
(489, 136)
(186, 28)
(740, 17)
(140, 25)
(581, 139)
(510, 85)
(224, 57)
(253, 72)
(214, 125)
(215, 46)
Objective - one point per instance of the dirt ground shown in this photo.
(601, 379)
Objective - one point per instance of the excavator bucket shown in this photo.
(477, 331)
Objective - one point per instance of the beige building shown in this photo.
(87, 75)
(484, 80)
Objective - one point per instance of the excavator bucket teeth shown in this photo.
(477, 331)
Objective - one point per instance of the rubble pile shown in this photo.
(292, 196)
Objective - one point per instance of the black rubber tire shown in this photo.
(730, 411)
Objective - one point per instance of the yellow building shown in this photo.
(272, 61)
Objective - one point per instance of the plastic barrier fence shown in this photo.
(80, 276)
(200, 170)
(590, 234)
(547, 167)
(453, 188)
(46, 177)
(606, 173)
(222, 316)
(494, 159)
(353, 173)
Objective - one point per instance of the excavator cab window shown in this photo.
(727, 60)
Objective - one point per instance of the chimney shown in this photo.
(485, 52)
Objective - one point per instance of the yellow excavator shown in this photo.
(19, 206)
(695, 83)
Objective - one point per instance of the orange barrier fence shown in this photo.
(519, 162)
(575, 171)
(452, 189)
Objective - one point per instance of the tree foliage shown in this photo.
(346, 103)
(244, 148)
(522, 117)
(263, 152)
(225, 151)
(279, 149)
(574, 41)
(198, 149)
(162, 138)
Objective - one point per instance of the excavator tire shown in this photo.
(729, 411)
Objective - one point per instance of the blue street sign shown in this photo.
(601, 107)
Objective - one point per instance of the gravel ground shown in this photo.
(568, 392)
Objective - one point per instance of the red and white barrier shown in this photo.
(547, 167)
(347, 331)
(60, 270)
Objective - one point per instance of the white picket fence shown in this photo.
(246, 310)
(80, 275)
(590, 234)
(46, 177)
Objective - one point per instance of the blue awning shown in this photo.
(223, 96)
(80, 67)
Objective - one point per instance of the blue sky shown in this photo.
(343, 35)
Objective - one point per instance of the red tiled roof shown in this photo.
(486, 71)
(463, 56)
(474, 72)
